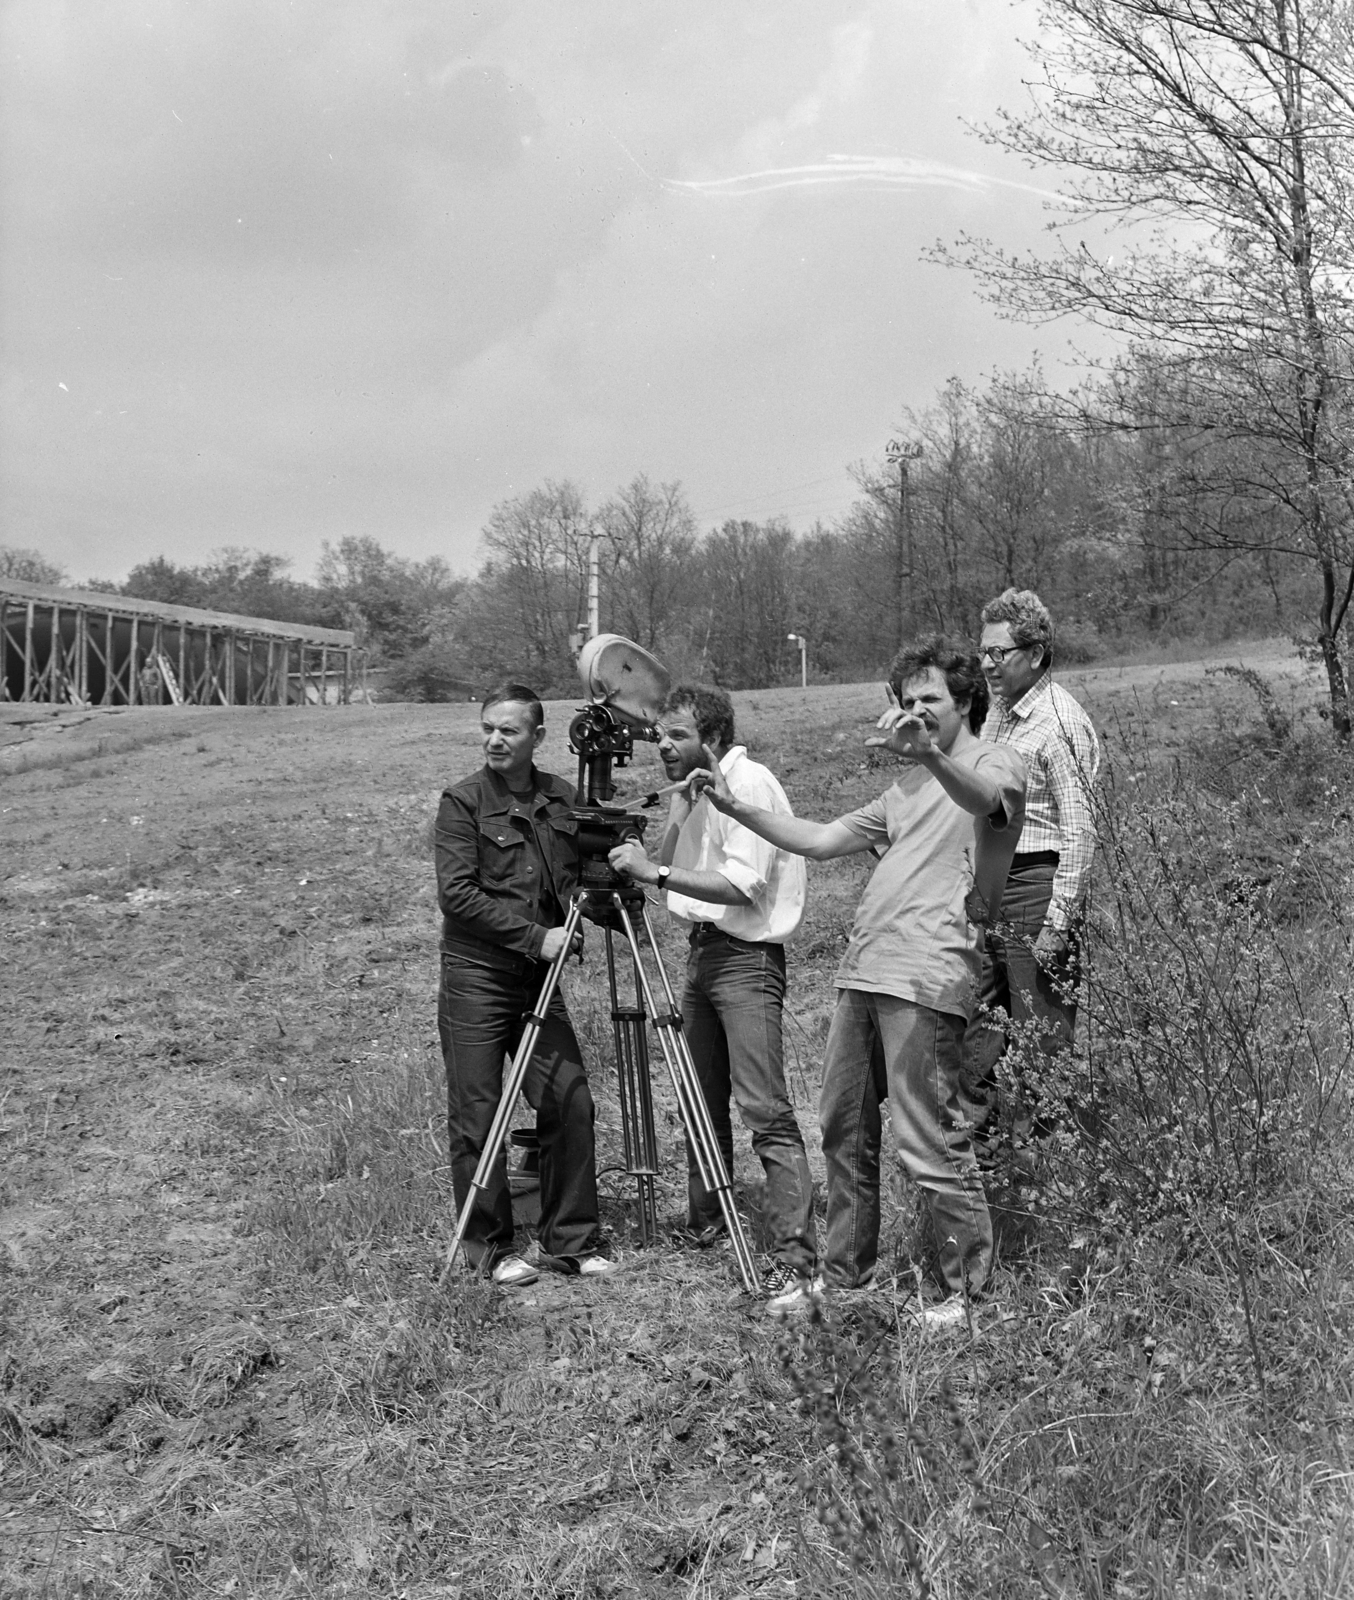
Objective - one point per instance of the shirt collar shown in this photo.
(1030, 699)
(731, 757)
(504, 795)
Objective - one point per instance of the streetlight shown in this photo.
(803, 643)
(899, 454)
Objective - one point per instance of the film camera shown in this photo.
(626, 687)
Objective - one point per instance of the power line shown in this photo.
(759, 499)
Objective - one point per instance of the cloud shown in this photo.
(874, 172)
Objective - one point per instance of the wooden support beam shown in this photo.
(82, 654)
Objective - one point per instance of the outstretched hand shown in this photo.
(906, 734)
(710, 781)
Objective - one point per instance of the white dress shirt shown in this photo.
(774, 880)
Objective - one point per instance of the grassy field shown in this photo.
(226, 1366)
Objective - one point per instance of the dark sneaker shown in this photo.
(777, 1278)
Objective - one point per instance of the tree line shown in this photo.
(1133, 528)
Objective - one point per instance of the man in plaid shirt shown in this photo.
(1030, 968)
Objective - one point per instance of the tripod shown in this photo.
(621, 903)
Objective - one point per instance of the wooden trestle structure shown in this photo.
(80, 647)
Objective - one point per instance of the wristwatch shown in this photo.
(664, 873)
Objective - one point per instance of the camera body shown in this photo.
(600, 739)
(627, 686)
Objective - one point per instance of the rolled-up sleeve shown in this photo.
(747, 859)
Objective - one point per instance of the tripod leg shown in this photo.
(636, 1097)
(691, 1104)
(512, 1087)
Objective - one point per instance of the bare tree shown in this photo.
(650, 534)
(750, 592)
(1222, 133)
(537, 568)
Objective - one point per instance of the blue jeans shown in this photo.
(731, 1015)
(481, 1014)
(880, 1046)
(1030, 991)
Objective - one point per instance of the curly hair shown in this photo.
(711, 707)
(517, 694)
(954, 661)
(1026, 615)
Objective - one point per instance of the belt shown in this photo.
(1035, 858)
(480, 953)
(704, 932)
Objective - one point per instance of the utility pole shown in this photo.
(900, 454)
(580, 635)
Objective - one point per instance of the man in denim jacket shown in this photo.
(507, 862)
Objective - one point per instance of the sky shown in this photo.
(274, 272)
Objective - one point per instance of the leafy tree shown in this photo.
(29, 566)
(395, 605)
(1223, 130)
(159, 579)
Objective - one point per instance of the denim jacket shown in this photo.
(493, 875)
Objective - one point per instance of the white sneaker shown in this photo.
(947, 1313)
(513, 1272)
(795, 1301)
(596, 1266)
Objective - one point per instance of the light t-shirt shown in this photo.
(774, 880)
(918, 928)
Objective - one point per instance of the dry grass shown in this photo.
(226, 1367)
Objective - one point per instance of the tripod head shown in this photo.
(626, 687)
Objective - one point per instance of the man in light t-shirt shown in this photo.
(908, 982)
(742, 899)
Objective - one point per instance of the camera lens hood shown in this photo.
(624, 677)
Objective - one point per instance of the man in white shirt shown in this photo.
(742, 898)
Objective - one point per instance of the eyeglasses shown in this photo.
(997, 653)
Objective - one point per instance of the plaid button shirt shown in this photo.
(1054, 734)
